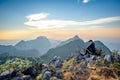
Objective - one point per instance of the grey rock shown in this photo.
(108, 58)
(25, 77)
(30, 71)
(59, 74)
(47, 75)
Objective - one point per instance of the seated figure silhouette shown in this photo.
(90, 50)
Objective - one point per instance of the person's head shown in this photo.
(90, 41)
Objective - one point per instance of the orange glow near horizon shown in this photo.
(60, 34)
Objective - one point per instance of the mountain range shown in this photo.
(66, 48)
(42, 44)
(48, 48)
(28, 48)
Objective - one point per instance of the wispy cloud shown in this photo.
(40, 21)
(85, 1)
(37, 16)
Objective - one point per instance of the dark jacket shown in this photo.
(91, 48)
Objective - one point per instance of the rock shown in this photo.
(44, 70)
(69, 57)
(83, 64)
(25, 77)
(93, 78)
(45, 66)
(72, 68)
(47, 75)
(118, 73)
(98, 51)
(80, 57)
(107, 73)
(59, 74)
(16, 78)
(108, 58)
(83, 74)
(57, 64)
(102, 56)
(14, 73)
(5, 75)
(118, 58)
(53, 78)
(8, 74)
(57, 61)
(30, 71)
(38, 65)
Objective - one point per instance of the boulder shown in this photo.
(25, 77)
(118, 58)
(16, 78)
(44, 70)
(57, 61)
(72, 68)
(8, 74)
(30, 71)
(108, 58)
(47, 75)
(38, 65)
(118, 73)
(58, 64)
(5, 75)
(54, 78)
(80, 57)
(59, 74)
(14, 73)
(83, 64)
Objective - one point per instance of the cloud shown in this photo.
(37, 16)
(40, 21)
(85, 1)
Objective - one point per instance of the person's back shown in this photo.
(91, 48)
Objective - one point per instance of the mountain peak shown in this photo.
(41, 37)
(21, 42)
(76, 37)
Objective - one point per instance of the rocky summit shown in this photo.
(76, 67)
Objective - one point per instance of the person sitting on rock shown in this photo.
(90, 49)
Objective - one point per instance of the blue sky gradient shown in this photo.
(13, 16)
(13, 12)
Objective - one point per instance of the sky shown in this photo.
(60, 20)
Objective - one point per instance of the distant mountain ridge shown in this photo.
(99, 44)
(70, 40)
(42, 44)
(35, 47)
(63, 49)
(12, 50)
(66, 48)
(49, 47)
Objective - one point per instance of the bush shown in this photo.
(15, 63)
